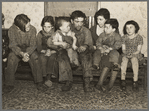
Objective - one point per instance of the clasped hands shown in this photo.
(25, 56)
(105, 49)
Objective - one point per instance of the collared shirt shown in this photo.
(83, 36)
(112, 40)
(18, 38)
(42, 38)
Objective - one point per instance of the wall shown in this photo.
(125, 11)
(34, 10)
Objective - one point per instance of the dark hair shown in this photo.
(3, 19)
(60, 20)
(47, 19)
(77, 14)
(114, 23)
(102, 12)
(132, 23)
(20, 21)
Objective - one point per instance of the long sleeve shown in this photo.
(32, 43)
(118, 42)
(50, 44)
(12, 40)
(99, 40)
(39, 42)
(88, 38)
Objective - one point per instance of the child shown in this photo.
(131, 46)
(107, 45)
(42, 48)
(63, 36)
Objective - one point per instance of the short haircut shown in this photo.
(114, 23)
(132, 22)
(77, 14)
(102, 12)
(60, 20)
(47, 19)
(20, 21)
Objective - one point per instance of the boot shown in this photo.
(112, 80)
(67, 86)
(123, 85)
(87, 87)
(135, 86)
(103, 76)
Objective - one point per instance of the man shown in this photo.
(84, 44)
(22, 42)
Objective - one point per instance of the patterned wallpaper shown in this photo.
(125, 11)
(34, 10)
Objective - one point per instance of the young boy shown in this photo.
(64, 36)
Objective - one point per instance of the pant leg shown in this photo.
(114, 56)
(135, 67)
(65, 72)
(43, 61)
(86, 63)
(52, 65)
(12, 65)
(36, 67)
(97, 57)
(124, 67)
(70, 51)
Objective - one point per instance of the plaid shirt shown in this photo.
(18, 39)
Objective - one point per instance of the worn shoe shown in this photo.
(123, 85)
(41, 87)
(7, 89)
(67, 86)
(100, 88)
(87, 87)
(135, 86)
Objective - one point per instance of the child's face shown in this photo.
(27, 27)
(65, 27)
(47, 27)
(130, 29)
(101, 21)
(108, 29)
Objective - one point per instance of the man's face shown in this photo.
(78, 23)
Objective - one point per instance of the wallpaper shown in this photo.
(125, 11)
(34, 10)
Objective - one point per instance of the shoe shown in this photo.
(123, 85)
(67, 86)
(41, 87)
(87, 87)
(7, 89)
(135, 86)
(95, 67)
(100, 88)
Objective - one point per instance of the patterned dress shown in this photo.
(132, 45)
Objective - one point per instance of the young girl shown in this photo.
(101, 16)
(107, 44)
(46, 59)
(65, 36)
(131, 46)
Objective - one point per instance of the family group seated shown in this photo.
(66, 44)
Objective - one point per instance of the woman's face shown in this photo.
(27, 27)
(47, 27)
(130, 29)
(101, 21)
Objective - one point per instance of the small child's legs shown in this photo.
(135, 67)
(124, 67)
(97, 57)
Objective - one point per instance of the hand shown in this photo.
(48, 53)
(64, 45)
(43, 51)
(94, 47)
(107, 51)
(25, 57)
(81, 49)
(74, 47)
